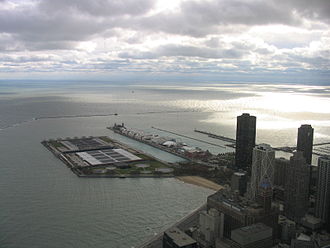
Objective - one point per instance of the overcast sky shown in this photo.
(212, 38)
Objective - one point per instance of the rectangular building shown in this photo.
(175, 238)
(245, 141)
(254, 236)
(239, 182)
(305, 142)
(239, 212)
(280, 171)
(296, 194)
(263, 159)
(322, 209)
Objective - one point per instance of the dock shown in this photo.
(216, 136)
(188, 137)
(163, 148)
(289, 149)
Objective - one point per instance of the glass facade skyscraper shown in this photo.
(245, 141)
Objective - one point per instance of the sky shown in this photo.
(273, 40)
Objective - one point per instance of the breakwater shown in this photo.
(215, 136)
(188, 137)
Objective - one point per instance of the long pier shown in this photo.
(289, 149)
(103, 115)
(215, 136)
(163, 148)
(321, 144)
(188, 137)
(72, 116)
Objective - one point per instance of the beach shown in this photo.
(200, 181)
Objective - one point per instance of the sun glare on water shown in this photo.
(274, 110)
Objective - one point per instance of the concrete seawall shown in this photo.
(186, 222)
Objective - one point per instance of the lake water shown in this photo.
(43, 204)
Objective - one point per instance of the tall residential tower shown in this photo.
(245, 141)
(263, 160)
(296, 189)
(305, 141)
(322, 209)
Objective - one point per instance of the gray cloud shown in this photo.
(210, 36)
(200, 18)
(317, 9)
(81, 19)
(23, 59)
(98, 7)
(173, 50)
(64, 21)
(38, 27)
(238, 12)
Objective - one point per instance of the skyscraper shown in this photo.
(280, 171)
(296, 193)
(236, 211)
(239, 182)
(265, 195)
(322, 209)
(245, 141)
(263, 160)
(305, 141)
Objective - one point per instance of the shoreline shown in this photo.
(200, 181)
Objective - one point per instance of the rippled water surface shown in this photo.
(42, 204)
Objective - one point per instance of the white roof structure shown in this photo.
(107, 156)
(169, 143)
(89, 158)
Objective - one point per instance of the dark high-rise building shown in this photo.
(280, 166)
(305, 141)
(238, 182)
(296, 189)
(245, 141)
(265, 195)
(280, 171)
(322, 209)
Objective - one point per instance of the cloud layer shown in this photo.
(215, 36)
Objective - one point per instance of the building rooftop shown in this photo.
(250, 234)
(264, 147)
(179, 237)
(247, 115)
(240, 174)
(253, 229)
(304, 237)
(84, 143)
(306, 125)
(312, 219)
(107, 156)
(236, 202)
